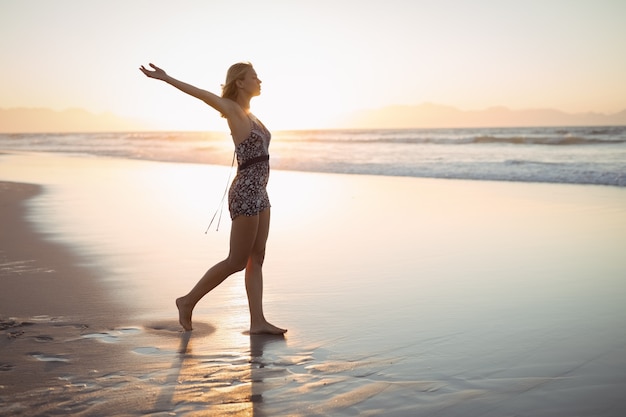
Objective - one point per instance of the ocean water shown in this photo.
(575, 155)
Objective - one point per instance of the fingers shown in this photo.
(156, 73)
(146, 71)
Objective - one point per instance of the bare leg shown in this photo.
(254, 280)
(242, 238)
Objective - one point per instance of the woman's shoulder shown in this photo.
(240, 123)
(231, 109)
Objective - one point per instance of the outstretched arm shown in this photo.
(220, 104)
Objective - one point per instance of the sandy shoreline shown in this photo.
(45, 278)
(52, 311)
(402, 296)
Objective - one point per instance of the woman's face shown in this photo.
(251, 83)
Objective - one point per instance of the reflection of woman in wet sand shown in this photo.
(247, 198)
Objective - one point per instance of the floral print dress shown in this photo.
(248, 195)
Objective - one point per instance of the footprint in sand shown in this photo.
(44, 339)
(148, 350)
(114, 335)
(49, 358)
(13, 323)
(6, 367)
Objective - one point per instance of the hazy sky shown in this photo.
(317, 58)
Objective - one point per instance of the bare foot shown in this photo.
(184, 313)
(266, 328)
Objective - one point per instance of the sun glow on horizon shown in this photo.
(318, 60)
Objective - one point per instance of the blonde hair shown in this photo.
(235, 72)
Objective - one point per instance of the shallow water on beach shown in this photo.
(572, 155)
(402, 296)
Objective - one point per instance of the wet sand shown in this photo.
(402, 296)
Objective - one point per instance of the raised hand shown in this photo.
(158, 73)
(227, 107)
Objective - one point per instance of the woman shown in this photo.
(248, 202)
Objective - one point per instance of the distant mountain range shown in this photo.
(37, 120)
(435, 115)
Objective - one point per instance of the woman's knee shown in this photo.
(257, 257)
(237, 263)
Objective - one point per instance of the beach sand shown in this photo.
(402, 296)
